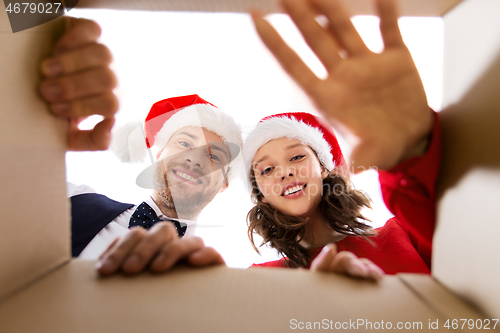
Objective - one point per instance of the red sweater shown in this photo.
(404, 243)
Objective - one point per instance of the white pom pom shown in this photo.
(128, 142)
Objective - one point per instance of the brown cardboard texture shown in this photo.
(70, 298)
(216, 299)
(358, 7)
(466, 242)
(32, 147)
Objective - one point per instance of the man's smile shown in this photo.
(187, 176)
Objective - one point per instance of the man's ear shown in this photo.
(224, 186)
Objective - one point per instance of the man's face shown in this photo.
(191, 169)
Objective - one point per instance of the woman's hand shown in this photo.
(345, 262)
(376, 101)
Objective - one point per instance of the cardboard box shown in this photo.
(43, 290)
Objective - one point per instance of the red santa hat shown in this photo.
(130, 142)
(296, 125)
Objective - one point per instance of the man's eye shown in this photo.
(185, 144)
(298, 157)
(214, 158)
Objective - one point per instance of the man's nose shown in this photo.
(195, 157)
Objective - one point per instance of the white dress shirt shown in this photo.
(118, 227)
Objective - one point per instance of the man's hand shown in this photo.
(345, 262)
(78, 83)
(158, 250)
(377, 101)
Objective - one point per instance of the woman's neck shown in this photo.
(319, 233)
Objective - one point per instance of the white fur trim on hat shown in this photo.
(279, 127)
(128, 143)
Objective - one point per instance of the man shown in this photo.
(196, 143)
(78, 83)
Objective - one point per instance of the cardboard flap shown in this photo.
(356, 7)
(443, 301)
(466, 246)
(35, 221)
(215, 299)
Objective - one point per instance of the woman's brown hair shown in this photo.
(341, 206)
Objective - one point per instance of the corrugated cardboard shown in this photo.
(70, 298)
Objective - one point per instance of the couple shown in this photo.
(376, 100)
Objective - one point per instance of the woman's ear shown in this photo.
(263, 199)
(324, 173)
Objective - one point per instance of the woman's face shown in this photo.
(289, 176)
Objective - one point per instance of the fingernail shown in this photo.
(322, 253)
(106, 265)
(356, 270)
(60, 108)
(51, 68)
(131, 262)
(51, 90)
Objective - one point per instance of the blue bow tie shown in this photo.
(144, 216)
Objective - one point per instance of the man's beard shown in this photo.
(185, 200)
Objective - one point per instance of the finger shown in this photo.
(175, 251)
(374, 271)
(320, 41)
(158, 236)
(92, 82)
(105, 105)
(391, 35)
(341, 26)
(206, 256)
(94, 55)
(80, 33)
(347, 263)
(111, 262)
(323, 260)
(110, 246)
(90, 140)
(287, 58)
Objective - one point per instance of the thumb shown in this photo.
(324, 258)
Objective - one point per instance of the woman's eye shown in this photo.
(266, 170)
(298, 157)
(185, 144)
